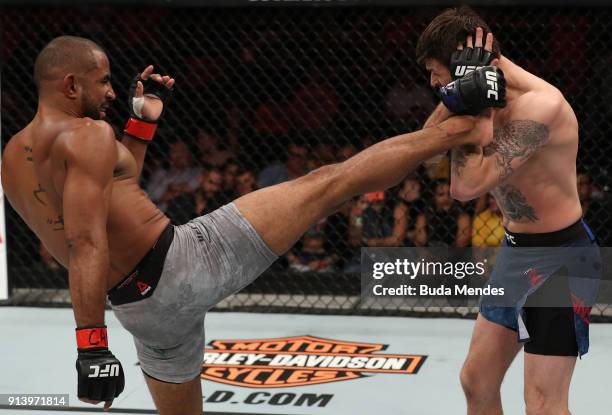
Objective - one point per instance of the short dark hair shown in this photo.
(65, 54)
(440, 183)
(441, 37)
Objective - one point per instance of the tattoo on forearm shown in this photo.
(517, 139)
(37, 192)
(514, 204)
(28, 150)
(458, 160)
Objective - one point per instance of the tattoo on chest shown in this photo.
(514, 204)
(516, 139)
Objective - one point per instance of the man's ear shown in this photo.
(70, 86)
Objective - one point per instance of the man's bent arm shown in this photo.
(138, 148)
(438, 115)
(477, 170)
(90, 157)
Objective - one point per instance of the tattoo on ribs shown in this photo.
(514, 204)
(517, 139)
(58, 224)
(37, 192)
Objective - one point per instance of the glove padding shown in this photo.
(100, 374)
(480, 89)
(135, 104)
(468, 60)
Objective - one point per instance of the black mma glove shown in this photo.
(468, 60)
(100, 374)
(138, 125)
(480, 89)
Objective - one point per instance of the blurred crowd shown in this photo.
(296, 88)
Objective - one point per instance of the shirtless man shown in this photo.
(77, 188)
(530, 167)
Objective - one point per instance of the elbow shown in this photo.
(84, 244)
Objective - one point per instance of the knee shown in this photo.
(476, 385)
(539, 401)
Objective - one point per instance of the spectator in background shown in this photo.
(336, 231)
(315, 103)
(322, 154)
(310, 255)
(487, 226)
(374, 223)
(447, 225)
(412, 205)
(438, 168)
(245, 183)
(408, 103)
(211, 152)
(295, 166)
(345, 152)
(383, 225)
(207, 198)
(230, 171)
(181, 177)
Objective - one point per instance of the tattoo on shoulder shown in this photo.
(516, 139)
(514, 204)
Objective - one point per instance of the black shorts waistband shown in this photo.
(141, 282)
(577, 231)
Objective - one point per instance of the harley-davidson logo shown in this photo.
(299, 361)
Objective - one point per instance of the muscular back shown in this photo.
(33, 176)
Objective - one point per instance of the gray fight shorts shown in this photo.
(210, 258)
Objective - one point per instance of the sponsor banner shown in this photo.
(568, 276)
(302, 374)
(300, 361)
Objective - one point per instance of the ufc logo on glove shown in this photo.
(460, 71)
(492, 83)
(481, 88)
(110, 370)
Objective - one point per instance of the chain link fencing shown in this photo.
(265, 94)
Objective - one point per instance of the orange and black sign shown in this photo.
(299, 361)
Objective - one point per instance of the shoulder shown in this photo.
(88, 134)
(88, 141)
(542, 106)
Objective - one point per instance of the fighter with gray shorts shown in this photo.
(191, 268)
